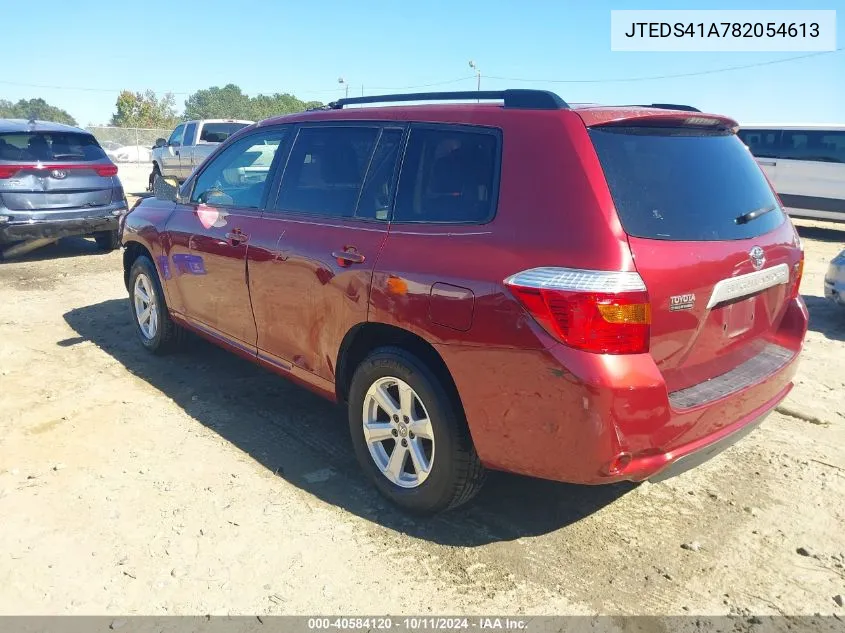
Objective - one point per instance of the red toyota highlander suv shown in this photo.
(585, 294)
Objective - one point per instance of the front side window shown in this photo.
(448, 176)
(239, 176)
(326, 170)
(176, 137)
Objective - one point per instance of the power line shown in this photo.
(653, 77)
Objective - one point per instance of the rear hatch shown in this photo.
(55, 175)
(716, 251)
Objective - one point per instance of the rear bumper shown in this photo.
(19, 231)
(586, 418)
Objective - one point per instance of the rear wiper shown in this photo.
(753, 215)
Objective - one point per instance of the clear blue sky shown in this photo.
(303, 47)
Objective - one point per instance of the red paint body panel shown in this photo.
(534, 405)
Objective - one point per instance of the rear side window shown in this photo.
(762, 143)
(219, 132)
(55, 147)
(683, 184)
(449, 175)
(326, 169)
(814, 145)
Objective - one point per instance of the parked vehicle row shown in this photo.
(56, 181)
(519, 285)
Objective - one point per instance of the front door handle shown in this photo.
(349, 255)
(768, 163)
(236, 237)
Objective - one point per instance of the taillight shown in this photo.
(797, 273)
(108, 169)
(596, 311)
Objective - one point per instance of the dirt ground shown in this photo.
(198, 483)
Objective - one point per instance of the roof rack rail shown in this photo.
(521, 99)
(671, 106)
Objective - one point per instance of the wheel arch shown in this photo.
(132, 251)
(363, 338)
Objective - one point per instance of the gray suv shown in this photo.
(56, 181)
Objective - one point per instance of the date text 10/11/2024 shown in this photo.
(417, 623)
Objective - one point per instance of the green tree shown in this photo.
(230, 102)
(34, 109)
(145, 110)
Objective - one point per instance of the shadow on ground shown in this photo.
(65, 247)
(305, 440)
(822, 233)
(826, 317)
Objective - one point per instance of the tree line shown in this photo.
(148, 110)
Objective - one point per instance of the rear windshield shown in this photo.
(54, 147)
(219, 132)
(684, 184)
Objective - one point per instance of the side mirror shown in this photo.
(166, 188)
(160, 142)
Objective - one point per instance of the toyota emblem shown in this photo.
(59, 174)
(758, 257)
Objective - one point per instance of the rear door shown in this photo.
(765, 146)
(716, 251)
(325, 232)
(55, 175)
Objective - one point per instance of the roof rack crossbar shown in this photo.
(522, 99)
(671, 106)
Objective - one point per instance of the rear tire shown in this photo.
(437, 467)
(107, 241)
(157, 332)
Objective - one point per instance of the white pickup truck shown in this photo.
(190, 144)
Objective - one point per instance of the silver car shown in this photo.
(56, 181)
(834, 280)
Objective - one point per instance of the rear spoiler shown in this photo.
(638, 116)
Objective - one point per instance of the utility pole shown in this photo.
(342, 81)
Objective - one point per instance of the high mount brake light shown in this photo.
(595, 311)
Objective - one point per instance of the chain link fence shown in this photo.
(128, 144)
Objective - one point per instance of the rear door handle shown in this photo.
(768, 163)
(348, 256)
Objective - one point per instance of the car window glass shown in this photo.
(49, 146)
(219, 132)
(176, 136)
(762, 143)
(377, 194)
(188, 137)
(447, 176)
(326, 169)
(815, 145)
(238, 176)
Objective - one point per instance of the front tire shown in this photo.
(410, 436)
(107, 241)
(156, 173)
(157, 332)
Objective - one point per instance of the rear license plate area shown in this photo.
(738, 317)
